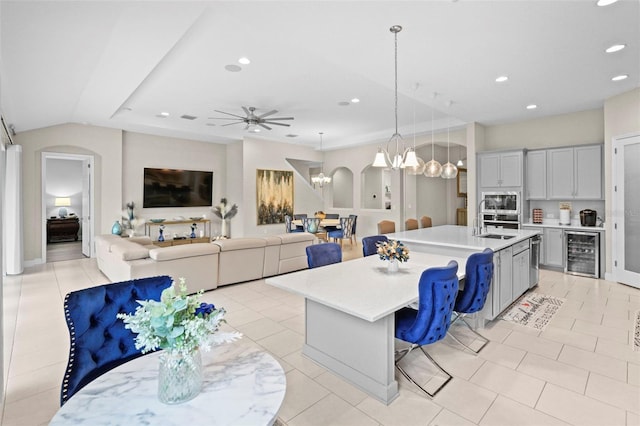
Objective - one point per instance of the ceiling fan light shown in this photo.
(432, 169)
(449, 171)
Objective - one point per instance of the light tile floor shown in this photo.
(581, 370)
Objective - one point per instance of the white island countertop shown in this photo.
(461, 237)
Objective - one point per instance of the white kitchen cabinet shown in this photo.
(502, 287)
(552, 241)
(500, 169)
(536, 182)
(521, 269)
(575, 173)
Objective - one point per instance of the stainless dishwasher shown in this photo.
(582, 253)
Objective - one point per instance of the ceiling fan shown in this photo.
(252, 120)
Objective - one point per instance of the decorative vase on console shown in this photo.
(225, 213)
(193, 230)
(161, 232)
(116, 229)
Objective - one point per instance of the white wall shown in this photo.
(106, 147)
(142, 150)
(621, 117)
(267, 155)
(64, 179)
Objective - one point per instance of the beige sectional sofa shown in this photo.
(203, 265)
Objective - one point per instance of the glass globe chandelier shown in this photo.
(433, 167)
(401, 157)
(321, 180)
(449, 171)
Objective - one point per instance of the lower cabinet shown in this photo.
(521, 270)
(501, 293)
(552, 241)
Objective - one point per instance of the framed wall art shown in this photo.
(274, 190)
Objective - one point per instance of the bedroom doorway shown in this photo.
(67, 206)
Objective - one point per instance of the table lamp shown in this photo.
(62, 202)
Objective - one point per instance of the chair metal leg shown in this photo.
(461, 317)
(405, 352)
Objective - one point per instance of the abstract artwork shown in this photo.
(274, 189)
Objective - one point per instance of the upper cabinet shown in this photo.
(500, 169)
(536, 175)
(574, 173)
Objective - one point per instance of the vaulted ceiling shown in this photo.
(122, 64)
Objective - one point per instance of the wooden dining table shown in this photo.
(323, 223)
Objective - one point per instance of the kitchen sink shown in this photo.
(497, 236)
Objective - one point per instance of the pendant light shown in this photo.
(459, 163)
(449, 171)
(321, 179)
(401, 157)
(432, 168)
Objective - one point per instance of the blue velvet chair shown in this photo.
(288, 226)
(354, 217)
(99, 340)
(437, 291)
(471, 299)
(300, 216)
(344, 233)
(311, 224)
(369, 244)
(323, 254)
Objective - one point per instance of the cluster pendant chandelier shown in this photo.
(321, 180)
(400, 157)
(449, 171)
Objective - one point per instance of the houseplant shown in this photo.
(393, 251)
(181, 326)
(225, 213)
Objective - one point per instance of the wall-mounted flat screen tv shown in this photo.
(177, 188)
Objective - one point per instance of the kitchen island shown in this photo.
(511, 260)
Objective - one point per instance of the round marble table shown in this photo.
(242, 385)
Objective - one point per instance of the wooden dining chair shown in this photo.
(425, 222)
(386, 227)
(410, 224)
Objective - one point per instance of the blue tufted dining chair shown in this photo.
(369, 244)
(344, 233)
(288, 226)
(437, 291)
(323, 254)
(471, 299)
(99, 340)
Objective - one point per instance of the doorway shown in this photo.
(625, 241)
(67, 206)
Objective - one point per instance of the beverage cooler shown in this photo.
(582, 253)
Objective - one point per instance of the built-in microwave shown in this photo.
(501, 203)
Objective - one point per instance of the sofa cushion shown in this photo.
(240, 243)
(296, 237)
(143, 240)
(127, 250)
(273, 240)
(184, 250)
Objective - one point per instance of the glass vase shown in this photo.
(179, 376)
(393, 266)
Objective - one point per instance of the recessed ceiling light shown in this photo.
(163, 115)
(256, 130)
(620, 77)
(532, 106)
(355, 100)
(244, 61)
(605, 2)
(344, 103)
(502, 78)
(615, 48)
(233, 68)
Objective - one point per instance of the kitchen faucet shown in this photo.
(477, 228)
